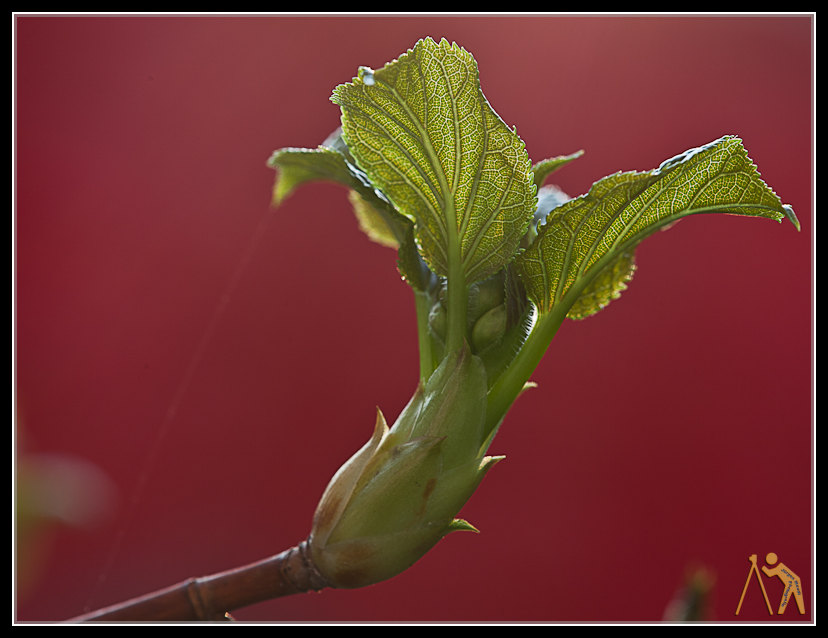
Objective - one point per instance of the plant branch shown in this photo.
(214, 597)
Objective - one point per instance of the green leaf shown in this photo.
(374, 222)
(543, 169)
(411, 266)
(331, 162)
(586, 244)
(607, 285)
(425, 135)
(297, 166)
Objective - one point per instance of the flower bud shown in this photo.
(399, 494)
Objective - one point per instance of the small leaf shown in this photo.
(332, 162)
(543, 169)
(425, 135)
(591, 233)
(373, 222)
(297, 166)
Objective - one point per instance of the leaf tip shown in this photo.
(791, 216)
(280, 193)
(529, 385)
(488, 462)
(460, 525)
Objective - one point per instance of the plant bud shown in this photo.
(437, 321)
(485, 295)
(489, 329)
(399, 494)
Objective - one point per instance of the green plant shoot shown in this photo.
(496, 260)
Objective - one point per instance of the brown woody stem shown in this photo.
(213, 597)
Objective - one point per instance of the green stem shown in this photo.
(422, 302)
(456, 299)
(456, 292)
(509, 385)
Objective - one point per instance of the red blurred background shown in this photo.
(216, 360)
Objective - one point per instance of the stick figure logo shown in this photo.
(774, 568)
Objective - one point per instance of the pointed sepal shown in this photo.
(461, 525)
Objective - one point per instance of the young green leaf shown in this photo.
(585, 248)
(331, 162)
(543, 169)
(297, 166)
(374, 222)
(425, 135)
(607, 285)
